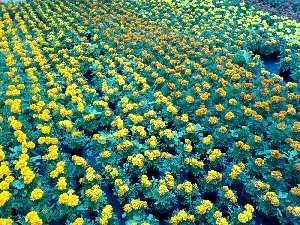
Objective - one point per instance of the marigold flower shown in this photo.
(33, 218)
(36, 194)
(229, 116)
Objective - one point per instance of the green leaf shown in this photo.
(18, 184)
(247, 56)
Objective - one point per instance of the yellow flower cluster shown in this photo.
(190, 128)
(124, 144)
(15, 124)
(295, 191)
(246, 215)
(15, 105)
(152, 141)
(272, 197)
(172, 109)
(241, 145)
(294, 144)
(201, 111)
(194, 162)
(20, 135)
(236, 170)
(213, 175)
(5, 172)
(157, 123)
(204, 206)
(67, 124)
(79, 161)
(27, 175)
(90, 174)
(169, 180)
(120, 133)
(184, 118)
(126, 106)
(105, 154)
(214, 154)
(188, 145)
(65, 112)
(187, 186)
(162, 189)
(106, 214)
(135, 118)
(182, 216)
(60, 167)
(52, 153)
(207, 140)
(94, 193)
(150, 114)
(112, 171)
(145, 181)
(140, 130)
(229, 194)
(167, 133)
(123, 189)
(137, 160)
(220, 220)
(260, 185)
(294, 210)
(45, 115)
(47, 140)
(135, 204)
(118, 122)
(68, 199)
(33, 218)
(89, 117)
(152, 155)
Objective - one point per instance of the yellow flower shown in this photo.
(245, 216)
(229, 116)
(276, 174)
(207, 140)
(68, 199)
(123, 189)
(204, 207)
(213, 175)
(106, 214)
(94, 193)
(36, 194)
(4, 197)
(162, 189)
(259, 162)
(127, 208)
(78, 221)
(223, 129)
(2, 155)
(213, 120)
(6, 221)
(61, 183)
(189, 99)
(296, 126)
(33, 218)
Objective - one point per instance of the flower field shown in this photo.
(148, 112)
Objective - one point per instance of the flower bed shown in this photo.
(290, 8)
(140, 112)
